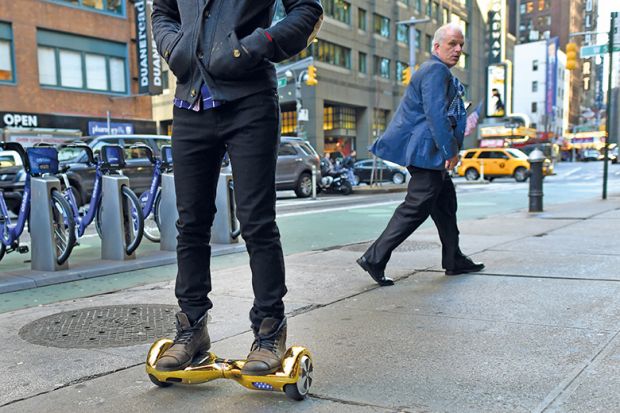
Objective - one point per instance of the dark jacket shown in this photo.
(229, 44)
(421, 133)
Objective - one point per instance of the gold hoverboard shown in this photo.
(294, 377)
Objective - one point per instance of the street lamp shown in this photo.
(298, 79)
(412, 37)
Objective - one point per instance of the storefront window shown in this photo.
(402, 33)
(362, 63)
(339, 117)
(334, 54)
(110, 6)
(379, 122)
(337, 9)
(381, 25)
(361, 19)
(6, 53)
(75, 62)
(382, 67)
(288, 122)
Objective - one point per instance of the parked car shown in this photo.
(9, 158)
(591, 155)
(497, 162)
(139, 169)
(613, 154)
(386, 171)
(294, 168)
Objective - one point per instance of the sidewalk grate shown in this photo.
(100, 327)
(407, 246)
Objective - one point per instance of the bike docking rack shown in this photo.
(115, 228)
(43, 246)
(168, 214)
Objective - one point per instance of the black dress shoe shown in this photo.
(466, 266)
(376, 275)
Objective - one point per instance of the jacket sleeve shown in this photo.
(166, 22)
(434, 85)
(290, 35)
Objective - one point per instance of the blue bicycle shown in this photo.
(151, 199)
(37, 161)
(110, 161)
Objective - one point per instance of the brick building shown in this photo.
(67, 68)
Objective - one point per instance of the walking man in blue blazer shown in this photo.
(425, 135)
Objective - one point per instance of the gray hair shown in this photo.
(441, 32)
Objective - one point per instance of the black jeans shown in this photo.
(430, 193)
(248, 129)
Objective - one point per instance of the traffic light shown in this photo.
(311, 76)
(406, 76)
(572, 51)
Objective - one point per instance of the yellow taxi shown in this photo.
(497, 162)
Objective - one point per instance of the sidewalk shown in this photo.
(538, 330)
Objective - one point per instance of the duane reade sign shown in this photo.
(149, 62)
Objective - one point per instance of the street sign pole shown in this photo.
(613, 32)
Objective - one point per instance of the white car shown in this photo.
(9, 158)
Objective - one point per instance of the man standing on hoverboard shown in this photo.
(221, 52)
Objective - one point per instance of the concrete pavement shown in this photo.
(538, 330)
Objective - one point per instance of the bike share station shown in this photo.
(113, 257)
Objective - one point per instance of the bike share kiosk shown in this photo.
(117, 217)
(168, 214)
(44, 257)
(225, 228)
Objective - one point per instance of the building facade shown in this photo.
(360, 56)
(69, 68)
(541, 83)
(545, 19)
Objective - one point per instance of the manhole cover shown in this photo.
(97, 327)
(407, 246)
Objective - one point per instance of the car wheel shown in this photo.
(398, 178)
(472, 174)
(520, 174)
(304, 186)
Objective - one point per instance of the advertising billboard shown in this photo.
(497, 81)
(551, 77)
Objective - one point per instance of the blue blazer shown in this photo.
(421, 133)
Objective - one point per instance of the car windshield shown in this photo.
(6, 161)
(517, 153)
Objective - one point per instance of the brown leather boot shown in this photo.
(190, 341)
(268, 348)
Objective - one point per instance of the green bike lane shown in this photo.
(306, 231)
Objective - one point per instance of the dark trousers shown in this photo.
(430, 193)
(249, 130)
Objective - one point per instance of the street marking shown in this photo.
(345, 208)
(573, 171)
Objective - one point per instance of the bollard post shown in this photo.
(168, 214)
(536, 159)
(112, 223)
(313, 181)
(43, 248)
(482, 170)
